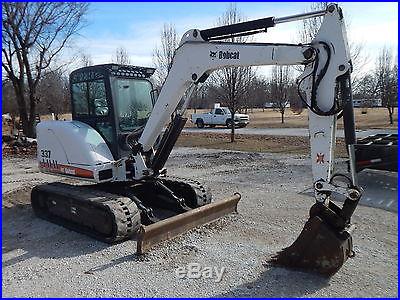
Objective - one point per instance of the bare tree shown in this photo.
(386, 75)
(255, 93)
(367, 90)
(8, 99)
(85, 60)
(229, 85)
(163, 55)
(34, 34)
(309, 30)
(282, 89)
(53, 92)
(358, 59)
(310, 27)
(197, 97)
(392, 102)
(121, 56)
(201, 98)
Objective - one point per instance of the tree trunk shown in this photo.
(232, 127)
(23, 114)
(31, 130)
(282, 119)
(390, 109)
(28, 124)
(32, 111)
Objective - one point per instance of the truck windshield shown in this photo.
(133, 102)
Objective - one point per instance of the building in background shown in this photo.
(367, 102)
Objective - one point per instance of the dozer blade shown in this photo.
(166, 229)
(319, 248)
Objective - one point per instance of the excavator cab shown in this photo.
(114, 100)
(111, 105)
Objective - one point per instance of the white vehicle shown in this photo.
(116, 140)
(274, 105)
(219, 116)
(269, 105)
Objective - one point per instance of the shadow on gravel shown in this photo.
(22, 230)
(115, 262)
(279, 282)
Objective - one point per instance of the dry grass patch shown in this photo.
(253, 143)
(374, 118)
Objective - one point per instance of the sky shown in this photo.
(137, 26)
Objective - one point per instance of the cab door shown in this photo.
(218, 118)
(91, 104)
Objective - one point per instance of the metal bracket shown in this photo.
(327, 188)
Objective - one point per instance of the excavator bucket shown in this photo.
(319, 248)
(166, 229)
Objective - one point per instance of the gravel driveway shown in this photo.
(41, 259)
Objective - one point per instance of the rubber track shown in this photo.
(203, 193)
(122, 211)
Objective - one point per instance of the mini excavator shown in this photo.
(121, 135)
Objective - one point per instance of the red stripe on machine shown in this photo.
(66, 170)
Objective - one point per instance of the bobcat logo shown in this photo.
(224, 55)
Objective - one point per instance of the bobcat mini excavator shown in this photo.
(117, 140)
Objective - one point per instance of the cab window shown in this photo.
(97, 98)
(89, 98)
(219, 111)
(79, 98)
(134, 103)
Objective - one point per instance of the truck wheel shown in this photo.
(200, 123)
(229, 123)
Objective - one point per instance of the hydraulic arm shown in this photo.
(324, 88)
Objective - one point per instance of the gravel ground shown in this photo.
(41, 259)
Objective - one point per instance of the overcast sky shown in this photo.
(137, 26)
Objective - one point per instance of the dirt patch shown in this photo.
(19, 151)
(20, 197)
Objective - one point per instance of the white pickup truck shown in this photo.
(219, 116)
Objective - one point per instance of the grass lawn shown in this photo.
(253, 143)
(374, 118)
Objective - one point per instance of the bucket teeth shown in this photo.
(319, 248)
